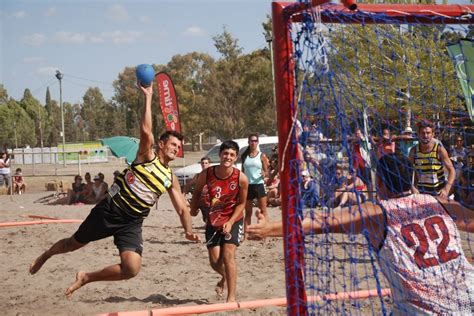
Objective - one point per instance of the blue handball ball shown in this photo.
(145, 74)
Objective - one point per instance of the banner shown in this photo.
(169, 104)
(462, 54)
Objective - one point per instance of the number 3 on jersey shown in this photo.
(422, 234)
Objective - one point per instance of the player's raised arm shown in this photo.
(145, 149)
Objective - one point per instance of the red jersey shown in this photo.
(223, 196)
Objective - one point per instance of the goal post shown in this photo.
(324, 78)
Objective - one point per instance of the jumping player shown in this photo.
(416, 239)
(227, 188)
(127, 203)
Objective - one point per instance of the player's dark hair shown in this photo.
(229, 144)
(166, 135)
(206, 158)
(396, 173)
(424, 123)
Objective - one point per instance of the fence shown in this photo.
(50, 160)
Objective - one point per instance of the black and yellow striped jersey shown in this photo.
(429, 170)
(138, 187)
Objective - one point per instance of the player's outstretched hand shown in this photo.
(147, 91)
(193, 237)
(261, 229)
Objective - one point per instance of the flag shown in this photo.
(169, 104)
(462, 54)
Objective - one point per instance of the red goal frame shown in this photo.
(283, 14)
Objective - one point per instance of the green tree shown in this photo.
(17, 126)
(188, 73)
(239, 88)
(94, 113)
(37, 113)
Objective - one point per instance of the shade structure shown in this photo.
(123, 146)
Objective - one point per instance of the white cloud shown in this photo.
(70, 38)
(46, 71)
(51, 11)
(35, 39)
(19, 14)
(96, 39)
(194, 31)
(117, 13)
(32, 60)
(121, 37)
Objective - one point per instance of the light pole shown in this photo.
(59, 75)
(14, 130)
(269, 39)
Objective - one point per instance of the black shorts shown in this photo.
(215, 238)
(105, 220)
(256, 191)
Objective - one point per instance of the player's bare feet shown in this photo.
(38, 263)
(81, 279)
(220, 288)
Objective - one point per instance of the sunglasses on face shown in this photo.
(254, 140)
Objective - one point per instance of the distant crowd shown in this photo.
(441, 168)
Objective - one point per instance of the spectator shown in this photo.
(309, 193)
(361, 156)
(273, 184)
(457, 155)
(102, 179)
(74, 194)
(5, 178)
(406, 141)
(99, 189)
(352, 190)
(19, 185)
(204, 204)
(87, 192)
(255, 166)
(385, 144)
(430, 160)
(189, 186)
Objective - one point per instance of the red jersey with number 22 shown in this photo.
(423, 260)
(223, 195)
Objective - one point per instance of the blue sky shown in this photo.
(91, 42)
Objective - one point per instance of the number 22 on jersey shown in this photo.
(415, 234)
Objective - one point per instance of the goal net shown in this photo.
(351, 86)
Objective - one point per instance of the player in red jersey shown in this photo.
(227, 188)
